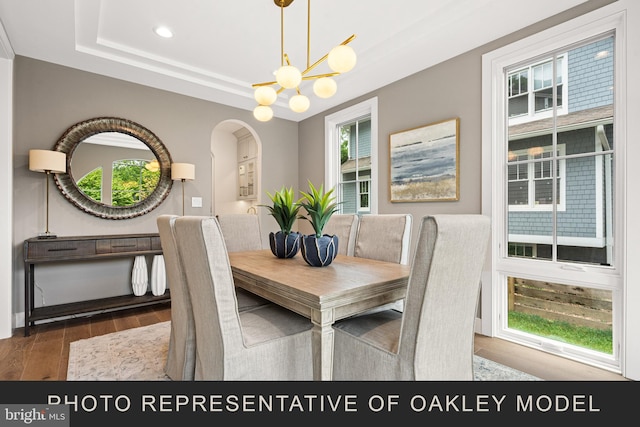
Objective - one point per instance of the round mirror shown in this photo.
(116, 168)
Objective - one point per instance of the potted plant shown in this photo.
(318, 249)
(284, 243)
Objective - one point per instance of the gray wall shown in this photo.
(447, 90)
(49, 99)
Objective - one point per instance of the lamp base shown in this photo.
(47, 235)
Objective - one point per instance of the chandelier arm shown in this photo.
(319, 76)
(324, 58)
(279, 91)
(263, 84)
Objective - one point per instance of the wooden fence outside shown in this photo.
(573, 304)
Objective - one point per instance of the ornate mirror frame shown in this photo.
(77, 133)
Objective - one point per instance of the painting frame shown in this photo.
(424, 163)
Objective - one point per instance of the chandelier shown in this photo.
(340, 59)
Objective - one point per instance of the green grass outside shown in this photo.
(593, 339)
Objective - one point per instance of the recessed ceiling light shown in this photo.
(163, 31)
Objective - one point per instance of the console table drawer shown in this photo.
(135, 244)
(155, 243)
(60, 249)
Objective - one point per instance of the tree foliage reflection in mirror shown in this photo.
(116, 168)
(132, 181)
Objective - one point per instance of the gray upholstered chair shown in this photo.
(265, 343)
(433, 338)
(242, 232)
(181, 358)
(345, 227)
(385, 237)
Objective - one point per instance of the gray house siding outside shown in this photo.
(590, 84)
(590, 81)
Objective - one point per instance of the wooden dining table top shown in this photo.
(346, 277)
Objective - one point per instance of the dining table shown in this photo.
(346, 287)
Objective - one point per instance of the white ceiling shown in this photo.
(221, 48)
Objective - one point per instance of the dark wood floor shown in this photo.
(45, 353)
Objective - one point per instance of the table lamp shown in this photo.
(183, 172)
(47, 161)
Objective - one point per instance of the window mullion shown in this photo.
(554, 159)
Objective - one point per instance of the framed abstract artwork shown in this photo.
(423, 163)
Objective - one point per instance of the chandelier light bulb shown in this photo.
(325, 87)
(263, 113)
(342, 58)
(265, 95)
(299, 103)
(288, 76)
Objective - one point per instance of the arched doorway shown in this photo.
(231, 191)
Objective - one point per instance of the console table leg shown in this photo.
(28, 296)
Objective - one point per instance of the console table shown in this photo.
(85, 248)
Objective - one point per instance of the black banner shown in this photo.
(200, 402)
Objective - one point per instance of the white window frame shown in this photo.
(364, 183)
(562, 172)
(494, 140)
(332, 146)
(543, 114)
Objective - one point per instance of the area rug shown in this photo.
(139, 354)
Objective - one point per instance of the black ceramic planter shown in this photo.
(319, 251)
(284, 245)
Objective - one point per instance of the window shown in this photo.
(132, 181)
(354, 179)
(553, 186)
(530, 98)
(364, 195)
(531, 179)
(522, 250)
(350, 157)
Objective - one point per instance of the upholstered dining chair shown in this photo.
(433, 338)
(344, 226)
(265, 343)
(385, 237)
(242, 232)
(181, 358)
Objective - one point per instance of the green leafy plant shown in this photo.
(284, 209)
(320, 206)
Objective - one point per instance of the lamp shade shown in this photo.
(152, 166)
(47, 160)
(299, 103)
(288, 76)
(263, 113)
(185, 171)
(265, 95)
(341, 58)
(325, 87)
